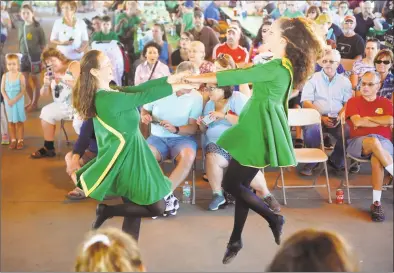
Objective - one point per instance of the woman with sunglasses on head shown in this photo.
(262, 125)
(258, 45)
(60, 77)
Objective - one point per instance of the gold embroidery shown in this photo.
(111, 163)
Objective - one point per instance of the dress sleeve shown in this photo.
(84, 137)
(134, 96)
(257, 73)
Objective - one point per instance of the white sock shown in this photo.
(389, 168)
(376, 195)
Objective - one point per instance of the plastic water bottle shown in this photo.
(139, 39)
(186, 190)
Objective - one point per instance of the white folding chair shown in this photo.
(304, 117)
(193, 170)
(354, 161)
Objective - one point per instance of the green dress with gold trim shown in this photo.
(125, 165)
(262, 135)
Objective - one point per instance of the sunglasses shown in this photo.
(380, 61)
(328, 61)
(369, 84)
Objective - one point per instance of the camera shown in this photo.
(49, 70)
(58, 89)
(207, 120)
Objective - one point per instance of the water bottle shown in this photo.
(139, 39)
(186, 190)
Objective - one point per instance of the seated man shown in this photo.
(173, 123)
(327, 92)
(370, 119)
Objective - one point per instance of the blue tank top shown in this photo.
(164, 53)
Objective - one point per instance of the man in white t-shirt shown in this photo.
(173, 122)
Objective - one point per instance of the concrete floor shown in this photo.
(40, 229)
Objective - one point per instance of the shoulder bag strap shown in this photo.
(153, 70)
(25, 39)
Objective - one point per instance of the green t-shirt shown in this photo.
(187, 19)
(296, 14)
(131, 22)
(100, 36)
(35, 38)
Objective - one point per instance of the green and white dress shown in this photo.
(262, 136)
(125, 165)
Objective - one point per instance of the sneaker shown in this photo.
(272, 203)
(327, 143)
(217, 200)
(355, 168)
(5, 140)
(172, 205)
(377, 214)
(229, 198)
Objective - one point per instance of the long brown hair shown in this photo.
(314, 251)
(85, 88)
(303, 47)
(109, 250)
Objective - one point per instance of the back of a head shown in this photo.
(187, 66)
(314, 251)
(109, 250)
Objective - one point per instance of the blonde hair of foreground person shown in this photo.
(109, 250)
(314, 251)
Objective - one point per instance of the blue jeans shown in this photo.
(312, 140)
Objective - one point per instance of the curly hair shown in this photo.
(109, 250)
(151, 44)
(299, 35)
(53, 52)
(84, 91)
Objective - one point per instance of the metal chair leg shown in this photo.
(347, 182)
(327, 183)
(62, 123)
(283, 187)
(194, 183)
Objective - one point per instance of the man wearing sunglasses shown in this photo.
(327, 92)
(370, 119)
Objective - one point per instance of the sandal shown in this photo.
(12, 145)
(205, 177)
(299, 143)
(43, 152)
(76, 194)
(20, 144)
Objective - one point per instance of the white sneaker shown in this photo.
(172, 205)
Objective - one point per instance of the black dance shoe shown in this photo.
(100, 216)
(232, 251)
(277, 228)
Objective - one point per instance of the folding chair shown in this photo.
(193, 178)
(355, 161)
(59, 139)
(304, 117)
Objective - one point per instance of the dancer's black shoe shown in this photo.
(100, 216)
(232, 251)
(277, 228)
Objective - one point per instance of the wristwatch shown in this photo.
(176, 129)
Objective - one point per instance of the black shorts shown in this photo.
(295, 101)
(25, 64)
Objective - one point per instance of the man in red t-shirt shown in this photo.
(232, 47)
(370, 119)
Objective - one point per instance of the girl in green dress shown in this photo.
(262, 136)
(124, 166)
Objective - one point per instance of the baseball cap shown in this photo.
(349, 17)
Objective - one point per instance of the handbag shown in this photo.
(35, 67)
